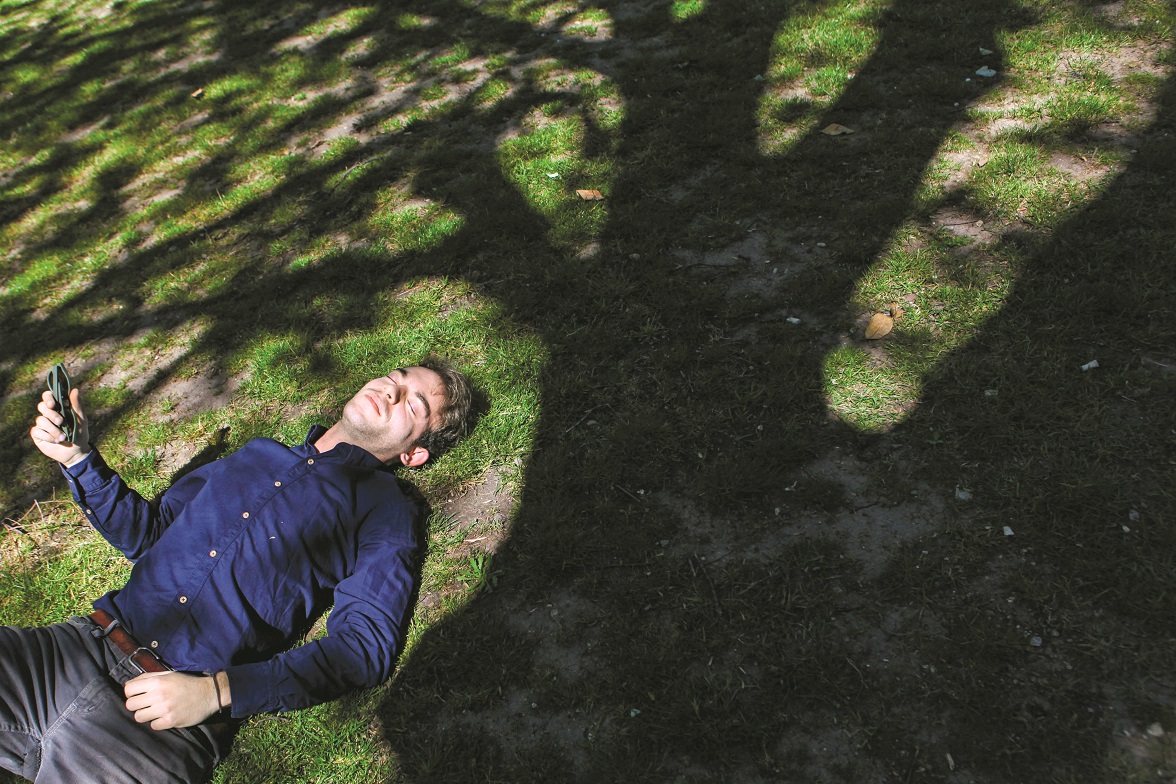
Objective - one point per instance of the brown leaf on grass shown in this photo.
(833, 129)
(587, 195)
(199, 93)
(879, 326)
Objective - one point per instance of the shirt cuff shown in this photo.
(89, 473)
(251, 688)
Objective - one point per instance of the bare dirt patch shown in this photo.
(490, 501)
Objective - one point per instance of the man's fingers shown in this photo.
(145, 699)
(141, 683)
(75, 400)
(47, 426)
(151, 713)
(47, 434)
(49, 411)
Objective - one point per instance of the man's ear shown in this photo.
(414, 457)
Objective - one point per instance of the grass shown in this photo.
(705, 530)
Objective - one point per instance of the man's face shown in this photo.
(390, 414)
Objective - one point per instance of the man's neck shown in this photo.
(330, 439)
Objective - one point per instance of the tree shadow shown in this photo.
(624, 640)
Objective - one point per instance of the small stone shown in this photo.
(1008, 531)
(634, 713)
(1155, 730)
(1036, 641)
(963, 494)
(1133, 515)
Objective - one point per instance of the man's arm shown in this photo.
(365, 633)
(122, 516)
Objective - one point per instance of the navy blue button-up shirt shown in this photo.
(239, 554)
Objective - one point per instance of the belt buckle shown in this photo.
(149, 652)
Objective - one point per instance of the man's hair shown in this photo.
(458, 414)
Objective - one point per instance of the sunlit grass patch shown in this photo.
(681, 10)
(338, 743)
(548, 163)
(529, 161)
(590, 23)
(871, 399)
(814, 56)
(492, 92)
(413, 227)
(534, 12)
(1017, 183)
(52, 563)
(941, 292)
(338, 24)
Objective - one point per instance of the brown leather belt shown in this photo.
(143, 658)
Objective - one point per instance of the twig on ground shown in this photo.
(587, 414)
(626, 492)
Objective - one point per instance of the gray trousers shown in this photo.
(63, 715)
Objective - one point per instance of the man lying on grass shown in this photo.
(229, 567)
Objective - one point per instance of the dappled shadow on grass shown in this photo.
(667, 605)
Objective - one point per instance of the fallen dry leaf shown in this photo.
(199, 93)
(587, 195)
(879, 326)
(833, 129)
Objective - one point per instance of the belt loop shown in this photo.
(100, 631)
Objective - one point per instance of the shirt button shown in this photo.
(245, 515)
(183, 600)
(89, 511)
(277, 484)
(155, 643)
(310, 461)
(212, 553)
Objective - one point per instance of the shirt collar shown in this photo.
(345, 452)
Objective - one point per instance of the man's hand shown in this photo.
(171, 699)
(49, 437)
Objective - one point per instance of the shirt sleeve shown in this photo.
(365, 634)
(123, 517)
